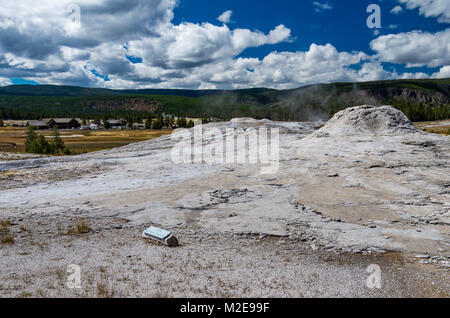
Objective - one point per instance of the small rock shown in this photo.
(445, 264)
(333, 175)
(422, 256)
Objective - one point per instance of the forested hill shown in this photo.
(419, 99)
(53, 90)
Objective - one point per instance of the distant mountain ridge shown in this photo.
(56, 90)
(427, 99)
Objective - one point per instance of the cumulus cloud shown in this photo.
(430, 8)
(190, 45)
(321, 63)
(35, 42)
(39, 42)
(414, 48)
(225, 17)
(418, 75)
(5, 81)
(397, 10)
(37, 38)
(38, 29)
(444, 72)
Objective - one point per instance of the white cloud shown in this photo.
(320, 7)
(444, 72)
(35, 45)
(414, 48)
(321, 63)
(36, 30)
(373, 71)
(418, 75)
(190, 45)
(5, 81)
(243, 38)
(430, 8)
(225, 17)
(397, 10)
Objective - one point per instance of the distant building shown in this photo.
(138, 126)
(116, 123)
(38, 124)
(64, 123)
(94, 126)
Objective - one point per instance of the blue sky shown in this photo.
(182, 44)
(344, 25)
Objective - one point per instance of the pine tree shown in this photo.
(148, 122)
(57, 144)
(30, 139)
(130, 122)
(43, 146)
(159, 123)
(37, 143)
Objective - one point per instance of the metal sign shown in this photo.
(160, 235)
(157, 233)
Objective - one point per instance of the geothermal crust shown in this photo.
(365, 182)
(368, 179)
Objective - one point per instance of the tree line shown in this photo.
(303, 107)
(38, 144)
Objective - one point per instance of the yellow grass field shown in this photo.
(436, 127)
(12, 139)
